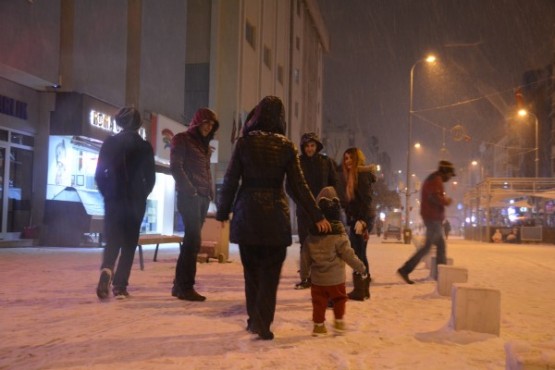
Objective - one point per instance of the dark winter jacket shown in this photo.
(319, 170)
(190, 157)
(361, 207)
(125, 168)
(253, 184)
(433, 200)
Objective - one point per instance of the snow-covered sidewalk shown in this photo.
(51, 318)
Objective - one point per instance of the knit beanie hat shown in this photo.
(446, 167)
(328, 201)
(128, 118)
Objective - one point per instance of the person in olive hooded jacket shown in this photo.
(190, 167)
(253, 190)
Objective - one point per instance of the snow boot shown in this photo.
(367, 287)
(358, 293)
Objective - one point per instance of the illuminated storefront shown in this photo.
(74, 209)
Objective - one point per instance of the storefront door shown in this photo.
(16, 179)
(3, 185)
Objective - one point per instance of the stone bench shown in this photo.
(525, 356)
(475, 309)
(449, 275)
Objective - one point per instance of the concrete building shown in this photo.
(68, 65)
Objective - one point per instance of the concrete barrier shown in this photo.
(475, 309)
(449, 275)
(525, 356)
(433, 267)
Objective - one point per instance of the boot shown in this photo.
(367, 287)
(358, 293)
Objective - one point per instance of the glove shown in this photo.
(359, 227)
(363, 275)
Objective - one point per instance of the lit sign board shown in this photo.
(105, 122)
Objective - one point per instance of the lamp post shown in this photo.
(524, 113)
(407, 234)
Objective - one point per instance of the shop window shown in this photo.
(3, 135)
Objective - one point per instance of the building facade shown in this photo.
(71, 64)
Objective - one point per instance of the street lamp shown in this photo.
(407, 232)
(524, 113)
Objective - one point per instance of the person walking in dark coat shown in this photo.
(125, 177)
(432, 209)
(190, 167)
(356, 181)
(253, 190)
(319, 171)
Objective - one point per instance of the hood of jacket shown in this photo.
(268, 116)
(311, 136)
(204, 115)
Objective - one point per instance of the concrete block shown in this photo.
(449, 275)
(526, 356)
(433, 267)
(428, 258)
(475, 309)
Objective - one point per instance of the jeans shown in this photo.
(261, 269)
(193, 213)
(434, 236)
(122, 224)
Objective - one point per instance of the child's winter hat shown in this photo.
(328, 201)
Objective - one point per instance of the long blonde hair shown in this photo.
(351, 176)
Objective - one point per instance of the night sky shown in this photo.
(483, 49)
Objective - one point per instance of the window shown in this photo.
(267, 57)
(299, 8)
(280, 74)
(296, 109)
(250, 35)
(296, 74)
(297, 43)
(22, 139)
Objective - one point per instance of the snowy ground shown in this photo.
(51, 318)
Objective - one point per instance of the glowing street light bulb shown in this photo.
(430, 58)
(522, 112)
(417, 145)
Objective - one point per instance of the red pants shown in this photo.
(321, 295)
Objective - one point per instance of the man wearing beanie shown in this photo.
(319, 172)
(325, 255)
(190, 167)
(125, 177)
(432, 210)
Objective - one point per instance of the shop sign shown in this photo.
(107, 123)
(103, 121)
